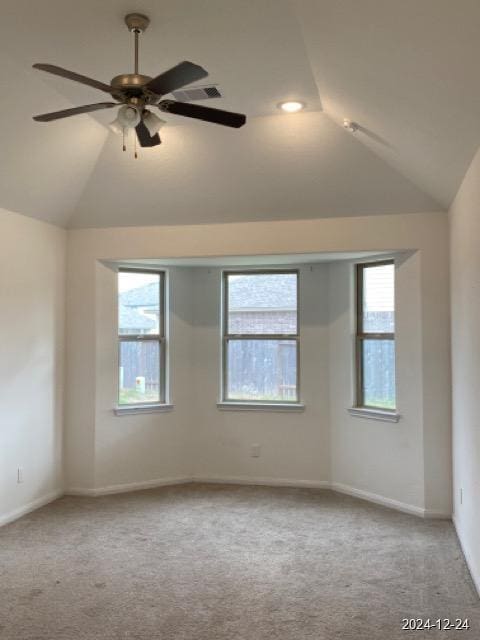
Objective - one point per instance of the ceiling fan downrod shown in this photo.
(136, 23)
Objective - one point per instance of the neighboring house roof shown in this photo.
(131, 318)
(262, 292)
(146, 296)
(129, 305)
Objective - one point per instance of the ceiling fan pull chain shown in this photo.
(123, 137)
(135, 154)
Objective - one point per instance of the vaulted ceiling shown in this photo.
(404, 70)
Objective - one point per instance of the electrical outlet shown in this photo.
(255, 451)
(19, 475)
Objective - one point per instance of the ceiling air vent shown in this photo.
(197, 93)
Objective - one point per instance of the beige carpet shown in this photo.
(209, 562)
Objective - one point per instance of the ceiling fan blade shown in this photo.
(66, 113)
(218, 116)
(71, 75)
(176, 77)
(144, 137)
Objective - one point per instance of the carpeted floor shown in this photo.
(211, 562)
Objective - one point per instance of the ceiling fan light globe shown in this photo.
(153, 123)
(128, 116)
(116, 127)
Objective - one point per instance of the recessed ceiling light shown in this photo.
(291, 106)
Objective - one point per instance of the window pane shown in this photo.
(262, 370)
(138, 303)
(379, 373)
(379, 299)
(139, 379)
(262, 303)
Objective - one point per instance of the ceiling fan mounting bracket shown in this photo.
(137, 22)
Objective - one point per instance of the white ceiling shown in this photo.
(406, 71)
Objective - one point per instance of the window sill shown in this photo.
(145, 408)
(261, 406)
(374, 414)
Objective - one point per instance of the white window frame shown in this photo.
(161, 338)
(360, 335)
(225, 402)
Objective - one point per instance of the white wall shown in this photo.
(465, 309)
(103, 450)
(196, 439)
(379, 458)
(294, 446)
(152, 446)
(32, 279)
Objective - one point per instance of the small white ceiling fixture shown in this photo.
(349, 125)
(291, 106)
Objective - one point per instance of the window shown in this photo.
(376, 336)
(141, 337)
(260, 337)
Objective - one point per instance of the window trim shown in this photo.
(251, 405)
(160, 338)
(382, 415)
(361, 335)
(226, 402)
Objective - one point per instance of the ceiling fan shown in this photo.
(135, 91)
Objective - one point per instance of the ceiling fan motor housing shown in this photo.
(130, 81)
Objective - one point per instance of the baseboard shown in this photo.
(240, 480)
(126, 488)
(468, 558)
(378, 499)
(80, 491)
(30, 506)
(268, 482)
(432, 514)
(264, 482)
